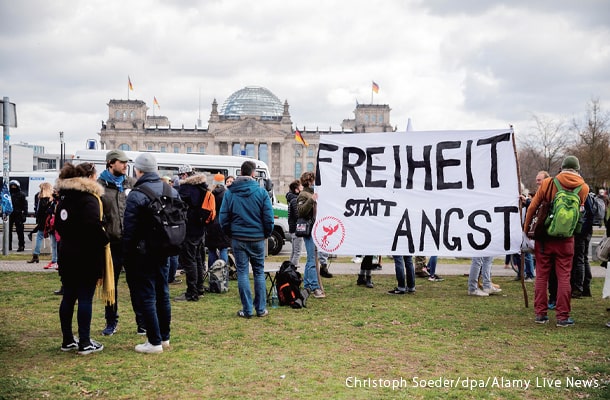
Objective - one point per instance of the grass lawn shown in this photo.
(350, 345)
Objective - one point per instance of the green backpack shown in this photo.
(565, 212)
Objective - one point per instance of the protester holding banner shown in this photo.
(306, 206)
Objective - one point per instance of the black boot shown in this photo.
(34, 259)
(369, 282)
(361, 281)
(324, 271)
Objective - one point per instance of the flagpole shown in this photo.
(521, 266)
(128, 88)
(153, 107)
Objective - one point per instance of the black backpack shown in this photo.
(288, 283)
(168, 228)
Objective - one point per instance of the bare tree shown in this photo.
(544, 147)
(592, 147)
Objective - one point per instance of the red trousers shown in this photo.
(557, 253)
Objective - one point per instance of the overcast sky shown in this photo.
(445, 64)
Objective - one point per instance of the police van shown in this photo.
(29, 182)
(169, 163)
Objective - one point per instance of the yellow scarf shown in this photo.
(105, 285)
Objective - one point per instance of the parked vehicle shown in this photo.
(210, 165)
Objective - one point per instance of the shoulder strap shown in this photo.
(560, 186)
(167, 191)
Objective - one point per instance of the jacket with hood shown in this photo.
(306, 205)
(114, 205)
(293, 212)
(81, 253)
(246, 212)
(192, 191)
(569, 179)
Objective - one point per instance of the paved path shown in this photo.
(335, 268)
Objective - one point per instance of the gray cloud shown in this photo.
(445, 64)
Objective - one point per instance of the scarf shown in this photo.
(117, 180)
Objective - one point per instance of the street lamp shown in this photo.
(62, 150)
(8, 118)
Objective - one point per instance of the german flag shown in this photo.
(299, 138)
(375, 87)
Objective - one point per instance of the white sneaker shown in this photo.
(478, 292)
(165, 344)
(492, 290)
(146, 347)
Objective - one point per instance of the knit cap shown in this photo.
(146, 162)
(219, 179)
(570, 162)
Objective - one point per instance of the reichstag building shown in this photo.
(252, 122)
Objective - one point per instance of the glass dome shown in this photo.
(252, 100)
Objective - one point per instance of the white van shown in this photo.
(169, 163)
(30, 185)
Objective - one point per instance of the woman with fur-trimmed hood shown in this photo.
(81, 251)
(192, 190)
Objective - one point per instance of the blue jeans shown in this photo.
(223, 254)
(400, 262)
(152, 297)
(528, 265)
(252, 252)
(53, 247)
(38, 245)
(432, 265)
(39, 239)
(310, 276)
(480, 266)
(83, 292)
(172, 264)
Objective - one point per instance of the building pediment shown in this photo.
(249, 127)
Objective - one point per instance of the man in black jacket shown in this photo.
(146, 267)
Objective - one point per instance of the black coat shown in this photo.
(215, 238)
(192, 191)
(42, 212)
(20, 204)
(81, 253)
(293, 212)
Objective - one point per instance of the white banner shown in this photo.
(445, 193)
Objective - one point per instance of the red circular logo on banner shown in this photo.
(329, 234)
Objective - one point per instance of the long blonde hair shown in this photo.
(46, 190)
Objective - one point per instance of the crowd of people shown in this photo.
(84, 213)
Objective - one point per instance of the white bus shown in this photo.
(169, 163)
